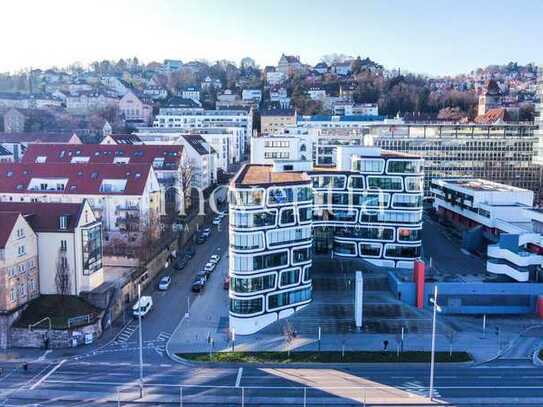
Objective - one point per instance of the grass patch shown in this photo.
(59, 309)
(327, 357)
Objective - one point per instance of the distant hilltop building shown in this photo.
(289, 64)
(491, 97)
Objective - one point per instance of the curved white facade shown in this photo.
(270, 254)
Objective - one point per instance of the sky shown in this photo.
(435, 37)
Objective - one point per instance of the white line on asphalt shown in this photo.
(490, 377)
(53, 370)
(446, 377)
(401, 377)
(238, 378)
(47, 352)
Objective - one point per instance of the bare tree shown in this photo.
(187, 174)
(289, 335)
(62, 276)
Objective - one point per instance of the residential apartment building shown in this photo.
(274, 120)
(88, 102)
(368, 207)
(18, 262)
(135, 110)
(66, 237)
(126, 198)
(165, 159)
(288, 65)
(14, 121)
(252, 95)
(188, 118)
(28, 101)
(498, 220)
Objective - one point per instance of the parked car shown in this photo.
(201, 239)
(203, 274)
(198, 284)
(209, 267)
(222, 214)
(143, 306)
(181, 263)
(206, 232)
(217, 221)
(164, 283)
(226, 284)
(190, 252)
(215, 258)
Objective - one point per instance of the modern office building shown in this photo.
(505, 153)
(368, 207)
(270, 246)
(498, 219)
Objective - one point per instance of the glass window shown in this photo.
(301, 255)
(385, 183)
(374, 233)
(251, 219)
(92, 249)
(356, 182)
(278, 196)
(345, 248)
(409, 235)
(287, 216)
(406, 201)
(251, 284)
(289, 277)
(266, 261)
(329, 181)
(247, 198)
(401, 167)
(413, 184)
(402, 251)
(369, 165)
(305, 214)
(285, 236)
(370, 249)
(246, 306)
(247, 241)
(304, 194)
(307, 274)
(289, 298)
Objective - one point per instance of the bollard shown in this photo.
(305, 396)
(243, 397)
(180, 396)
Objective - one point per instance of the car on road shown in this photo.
(217, 221)
(206, 232)
(198, 284)
(164, 283)
(209, 267)
(203, 274)
(222, 214)
(142, 306)
(181, 263)
(201, 239)
(226, 283)
(215, 258)
(190, 252)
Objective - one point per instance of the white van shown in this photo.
(143, 306)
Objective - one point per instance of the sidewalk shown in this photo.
(209, 318)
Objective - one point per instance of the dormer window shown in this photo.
(63, 222)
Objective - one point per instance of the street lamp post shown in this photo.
(437, 309)
(140, 341)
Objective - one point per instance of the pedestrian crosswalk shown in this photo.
(416, 387)
(163, 336)
(126, 333)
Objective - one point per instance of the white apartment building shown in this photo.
(188, 119)
(254, 95)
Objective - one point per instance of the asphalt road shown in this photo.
(87, 382)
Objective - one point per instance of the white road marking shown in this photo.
(53, 370)
(490, 377)
(47, 352)
(238, 378)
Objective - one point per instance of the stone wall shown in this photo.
(6, 320)
(25, 338)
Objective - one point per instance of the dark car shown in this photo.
(198, 285)
(190, 252)
(201, 239)
(181, 263)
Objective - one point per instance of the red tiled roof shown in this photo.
(493, 116)
(82, 178)
(44, 217)
(7, 223)
(106, 153)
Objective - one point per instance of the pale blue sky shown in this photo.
(428, 36)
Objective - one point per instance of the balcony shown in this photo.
(127, 208)
(518, 257)
(496, 266)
